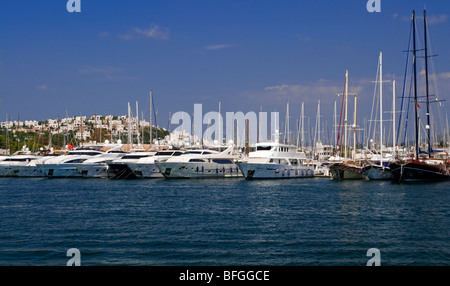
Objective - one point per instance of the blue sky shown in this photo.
(245, 54)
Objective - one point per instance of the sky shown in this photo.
(246, 54)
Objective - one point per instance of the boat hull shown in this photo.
(378, 173)
(21, 171)
(145, 171)
(94, 171)
(341, 171)
(418, 171)
(252, 171)
(61, 170)
(198, 170)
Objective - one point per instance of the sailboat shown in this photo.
(421, 169)
(348, 170)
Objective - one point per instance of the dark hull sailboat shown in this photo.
(420, 171)
(347, 171)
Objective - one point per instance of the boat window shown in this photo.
(263, 148)
(193, 152)
(294, 162)
(206, 153)
(134, 156)
(16, 160)
(177, 153)
(222, 161)
(163, 153)
(75, 161)
(85, 153)
(196, 160)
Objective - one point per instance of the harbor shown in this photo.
(225, 134)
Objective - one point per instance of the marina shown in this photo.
(265, 140)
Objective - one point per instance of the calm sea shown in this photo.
(300, 222)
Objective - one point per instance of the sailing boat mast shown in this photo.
(302, 126)
(354, 131)
(381, 108)
(129, 128)
(426, 84)
(393, 118)
(345, 115)
(151, 131)
(415, 85)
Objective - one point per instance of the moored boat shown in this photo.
(202, 163)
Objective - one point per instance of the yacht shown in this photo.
(97, 166)
(17, 166)
(118, 168)
(66, 166)
(201, 163)
(274, 160)
(145, 167)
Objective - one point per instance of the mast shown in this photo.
(302, 126)
(129, 128)
(428, 127)
(286, 125)
(415, 86)
(335, 123)
(318, 119)
(354, 131)
(151, 129)
(137, 123)
(393, 117)
(219, 135)
(381, 109)
(345, 115)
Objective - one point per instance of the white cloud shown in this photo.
(218, 47)
(431, 20)
(445, 75)
(153, 32)
(104, 72)
(437, 19)
(42, 87)
(302, 39)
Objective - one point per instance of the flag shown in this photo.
(70, 146)
(417, 105)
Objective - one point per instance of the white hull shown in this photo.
(274, 171)
(21, 171)
(94, 171)
(145, 171)
(172, 170)
(61, 170)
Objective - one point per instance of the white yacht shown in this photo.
(17, 166)
(202, 163)
(273, 160)
(97, 166)
(66, 166)
(145, 167)
(118, 168)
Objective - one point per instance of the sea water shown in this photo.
(220, 222)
